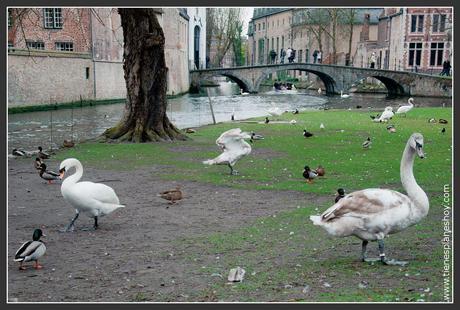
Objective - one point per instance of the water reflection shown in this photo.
(28, 130)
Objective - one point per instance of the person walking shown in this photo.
(446, 68)
(272, 56)
(288, 54)
(291, 59)
(319, 56)
(282, 55)
(315, 56)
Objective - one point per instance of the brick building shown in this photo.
(62, 54)
(413, 39)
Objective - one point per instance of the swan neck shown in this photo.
(414, 191)
(74, 178)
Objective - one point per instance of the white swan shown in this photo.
(386, 115)
(234, 148)
(406, 108)
(275, 111)
(93, 199)
(243, 93)
(372, 214)
(342, 95)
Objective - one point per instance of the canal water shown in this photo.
(50, 128)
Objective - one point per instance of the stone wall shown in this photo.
(110, 81)
(35, 80)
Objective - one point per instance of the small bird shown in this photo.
(255, 136)
(307, 134)
(190, 130)
(38, 163)
(267, 120)
(68, 143)
(31, 250)
(17, 152)
(172, 195)
(443, 130)
(233, 117)
(341, 194)
(375, 117)
(48, 175)
(367, 143)
(319, 91)
(432, 120)
(42, 154)
(442, 121)
(296, 111)
(320, 171)
(293, 122)
(321, 126)
(309, 174)
(391, 128)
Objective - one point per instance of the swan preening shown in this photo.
(234, 147)
(406, 108)
(385, 116)
(372, 214)
(31, 250)
(93, 199)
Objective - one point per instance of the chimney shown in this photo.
(365, 31)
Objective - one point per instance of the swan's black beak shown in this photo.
(420, 152)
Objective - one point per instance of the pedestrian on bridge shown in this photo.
(282, 55)
(315, 56)
(272, 56)
(319, 56)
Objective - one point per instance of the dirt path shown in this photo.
(133, 250)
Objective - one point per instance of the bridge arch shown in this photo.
(328, 81)
(243, 83)
(394, 88)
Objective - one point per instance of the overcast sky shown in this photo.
(247, 14)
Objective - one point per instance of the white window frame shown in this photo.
(68, 46)
(52, 18)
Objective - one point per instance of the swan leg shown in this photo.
(71, 225)
(383, 258)
(232, 172)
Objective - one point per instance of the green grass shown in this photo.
(284, 253)
(347, 164)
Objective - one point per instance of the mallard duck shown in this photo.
(342, 95)
(255, 136)
(443, 131)
(432, 120)
(172, 195)
(391, 128)
(359, 106)
(17, 152)
(372, 214)
(367, 143)
(234, 148)
(296, 111)
(48, 175)
(38, 163)
(267, 120)
(340, 194)
(93, 199)
(309, 174)
(320, 171)
(68, 143)
(31, 250)
(442, 121)
(406, 108)
(190, 130)
(42, 154)
(307, 134)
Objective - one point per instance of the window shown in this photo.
(273, 43)
(439, 23)
(263, 26)
(282, 41)
(415, 54)
(64, 46)
(437, 50)
(53, 18)
(300, 57)
(87, 73)
(277, 44)
(416, 23)
(10, 44)
(35, 45)
(259, 26)
(387, 34)
(278, 22)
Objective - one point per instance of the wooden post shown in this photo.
(210, 106)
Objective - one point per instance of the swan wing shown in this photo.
(365, 203)
(96, 191)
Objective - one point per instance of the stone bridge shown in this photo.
(335, 78)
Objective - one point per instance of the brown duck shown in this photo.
(172, 195)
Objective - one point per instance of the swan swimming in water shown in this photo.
(93, 199)
(373, 214)
(342, 95)
(406, 108)
(234, 148)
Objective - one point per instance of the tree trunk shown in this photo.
(144, 66)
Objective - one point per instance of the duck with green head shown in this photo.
(31, 250)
